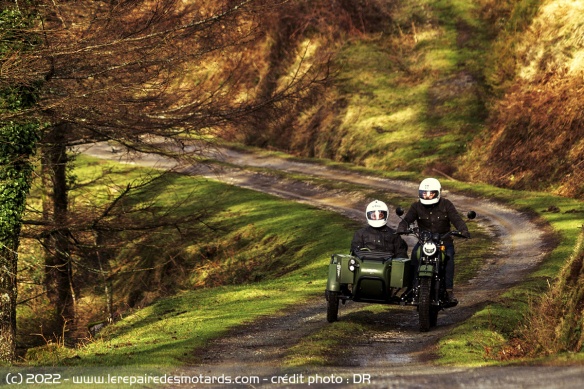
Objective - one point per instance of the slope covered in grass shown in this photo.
(257, 255)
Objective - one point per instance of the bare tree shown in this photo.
(95, 233)
(151, 75)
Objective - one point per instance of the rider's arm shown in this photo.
(456, 219)
(410, 217)
(401, 247)
(357, 241)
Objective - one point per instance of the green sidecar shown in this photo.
(372, 277)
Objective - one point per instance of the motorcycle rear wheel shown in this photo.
(332, 307)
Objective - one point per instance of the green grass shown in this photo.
(168, 332)
(413, 94)
(326, 347)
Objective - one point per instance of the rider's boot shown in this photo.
(450, 296)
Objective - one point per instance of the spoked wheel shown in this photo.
(332, 307)
(425, 310)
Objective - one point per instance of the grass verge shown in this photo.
(484, 338)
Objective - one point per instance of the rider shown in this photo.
(377, 236)
(435, 214)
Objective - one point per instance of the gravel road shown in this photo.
(396, 355)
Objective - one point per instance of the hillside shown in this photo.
(535, 137)
(473, 92)
(481, 91)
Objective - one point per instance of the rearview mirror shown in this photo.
(471, 214)
(399, 211)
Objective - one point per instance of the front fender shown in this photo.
(333, 284)
(426, 271)
(338, 272)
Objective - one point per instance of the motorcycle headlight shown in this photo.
(352, 265)
(429, 248)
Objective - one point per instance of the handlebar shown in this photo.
(458, 234)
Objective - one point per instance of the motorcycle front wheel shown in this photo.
(425, 305)
(434, 315)
(332, 307)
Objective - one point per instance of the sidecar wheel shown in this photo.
(332, 308)
(424, 305)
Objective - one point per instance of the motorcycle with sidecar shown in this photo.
(377, 277)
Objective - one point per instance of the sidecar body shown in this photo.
(372, 278)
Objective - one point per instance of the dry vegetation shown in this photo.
(299, 33)
(553, 325)
(535, 137)
(532, 87)
(535, 140)
(126, 71)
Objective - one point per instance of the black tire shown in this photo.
(332, 307)
(434, 315)
(425, 304)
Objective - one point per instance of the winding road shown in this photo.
(396, 354)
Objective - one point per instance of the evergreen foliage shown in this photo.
(17, 145)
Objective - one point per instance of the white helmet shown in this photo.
(429, 191)
(377, 213)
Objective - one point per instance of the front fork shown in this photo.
(438, 278)
(436, 284)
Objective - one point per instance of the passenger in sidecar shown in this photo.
(377, 236)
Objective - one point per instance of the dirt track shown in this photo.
(395, 353)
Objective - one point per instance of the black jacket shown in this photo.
(379, 239)
(434, 218)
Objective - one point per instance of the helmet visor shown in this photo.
(377, 215)
(428, 194)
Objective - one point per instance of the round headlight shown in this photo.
(429, 248)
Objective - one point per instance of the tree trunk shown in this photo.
(8, 294)
(58, 269)
(105, 271)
